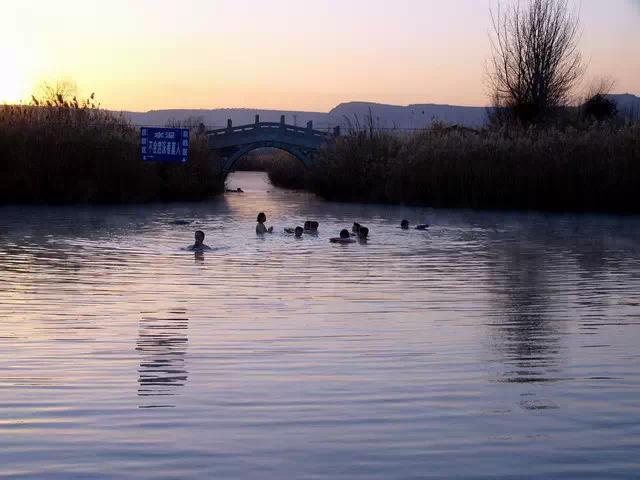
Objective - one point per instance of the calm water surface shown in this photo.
(496, 345)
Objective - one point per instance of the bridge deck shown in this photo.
(233, 142)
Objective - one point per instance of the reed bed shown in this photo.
(63, 151)
(593, 167)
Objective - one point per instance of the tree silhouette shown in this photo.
(535, 61)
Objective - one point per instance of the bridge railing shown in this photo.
(270, 126)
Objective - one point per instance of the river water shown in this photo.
(495, 345)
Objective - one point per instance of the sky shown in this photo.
(281, 54)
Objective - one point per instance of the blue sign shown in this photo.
(164, 144)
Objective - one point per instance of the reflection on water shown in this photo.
(526, 332)
(493, 345)
(162, 345)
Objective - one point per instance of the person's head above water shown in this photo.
(261, 218)
(363, 232)
(404, 224)
(199, 237)
(311, 225)
(344, 233)
(299, 231)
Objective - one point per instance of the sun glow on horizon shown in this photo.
(14, 84)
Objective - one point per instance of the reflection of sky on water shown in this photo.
(492, 332)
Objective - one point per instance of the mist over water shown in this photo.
(494, 345)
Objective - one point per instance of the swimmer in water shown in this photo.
(261, 228)
(404, 224)
(311, 226)
(424, 226)
(343, 238)
(363, 234)
(298, 231)
(199, 246)
(355, 229)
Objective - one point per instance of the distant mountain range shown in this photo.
(354, 113)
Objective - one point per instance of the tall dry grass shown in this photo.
(594, 167)
(64, 151)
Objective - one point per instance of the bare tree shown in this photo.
(535, 61)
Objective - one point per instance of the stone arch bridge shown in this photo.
(231, 143)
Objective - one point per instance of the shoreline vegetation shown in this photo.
(62, 151)
(59, 150)
(282, 168)
(592, 167)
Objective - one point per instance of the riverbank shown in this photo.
(591, 168)
(69, 152)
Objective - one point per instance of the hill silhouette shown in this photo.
(351, 113)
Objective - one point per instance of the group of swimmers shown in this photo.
(310, 227)
(359, 232)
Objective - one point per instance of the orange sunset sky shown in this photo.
(285, 54)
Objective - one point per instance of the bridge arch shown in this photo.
(231, 143)
(304, 156)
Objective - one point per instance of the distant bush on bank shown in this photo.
(286, 171)
(60, 150)
(256, 161)
(593, 167)
(283, 169)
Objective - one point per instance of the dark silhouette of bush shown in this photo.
(256, 160)
(592, 168)
(286, 171)
(61, 150)
(599, 107)
(283, 169)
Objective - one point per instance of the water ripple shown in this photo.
(494, 345)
